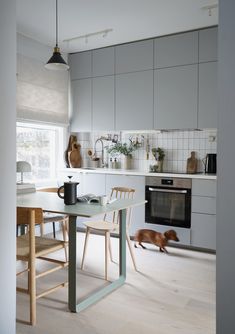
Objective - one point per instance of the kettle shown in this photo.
(70, 192)
(210, 163)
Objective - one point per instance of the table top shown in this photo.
(52, 203)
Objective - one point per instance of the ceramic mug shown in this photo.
(103, 200)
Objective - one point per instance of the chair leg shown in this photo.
(110, 247)
(131, 250)
(106, 255)
(32, 292)
(63, 225)
(53, 224)
(85, 247)
(42, 229)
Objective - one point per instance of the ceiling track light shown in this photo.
(209, 8)
(56, 62)
(103, 33)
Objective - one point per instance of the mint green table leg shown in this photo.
(72, 263)
(97, 295)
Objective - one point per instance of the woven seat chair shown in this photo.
(50, 217)
(107, 227)
(31, 247)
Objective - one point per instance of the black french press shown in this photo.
(70, 192)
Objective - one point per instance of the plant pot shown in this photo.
(127, 162)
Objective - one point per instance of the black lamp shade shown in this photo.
(56, 62)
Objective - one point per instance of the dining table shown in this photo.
(50, 202)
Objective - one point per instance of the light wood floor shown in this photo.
(172, 293)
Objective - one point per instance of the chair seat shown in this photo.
(101, 225)
(43, 246)
(50, 217)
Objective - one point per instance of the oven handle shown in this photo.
(168, 190)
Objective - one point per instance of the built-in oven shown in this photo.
(168, 201)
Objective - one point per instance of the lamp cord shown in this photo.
(56, 23)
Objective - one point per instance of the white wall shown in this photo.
(226, 171)
(7, 165)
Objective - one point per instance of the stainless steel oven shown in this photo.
(169, 201)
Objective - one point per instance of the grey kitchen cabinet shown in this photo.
(207, 95)
(175, 97)
(103, 103)
(81, 100)
(134, 101)
(203, 217)
(176, 50)
(132, 57)
(103, 62)
(138, 183)
(203, 231)
(208, 44)
(94, 184)
(80, 65)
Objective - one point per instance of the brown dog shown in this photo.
(156, 238)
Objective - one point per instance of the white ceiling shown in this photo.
(130, 20)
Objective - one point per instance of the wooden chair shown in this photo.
(50, 217)
(31, 247)
(107, 227)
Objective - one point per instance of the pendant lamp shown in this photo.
(56, 62)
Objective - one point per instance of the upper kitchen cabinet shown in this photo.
(103, 103)
(103, 62)
(207, 98)
(134, 101)
(81, 100)
(80, 65)
(134, 57)
(208, 44)
(176, 50)
(175, 93)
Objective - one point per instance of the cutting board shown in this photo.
(192, 163)
(74, 156)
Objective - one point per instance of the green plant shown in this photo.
(158, 153)
(120, 148)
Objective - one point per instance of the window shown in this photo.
(42, 146)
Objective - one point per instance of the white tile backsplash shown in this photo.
(176, 144)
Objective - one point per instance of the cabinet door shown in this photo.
(80, 65)
(94, 184)
(133, 57)
(203, 231)
(103, 103)
(103, 62)
(208, 44)
(204, 188)
(208, 92)
(175, 94)
(134, 101)
(138, 183)
(204, 204)
(81, 101)
(175, 50)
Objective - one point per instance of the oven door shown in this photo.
(168, 206)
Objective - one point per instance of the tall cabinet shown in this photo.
(168, 82)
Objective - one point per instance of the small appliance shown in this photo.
(210, 163)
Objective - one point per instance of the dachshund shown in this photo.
(156, 238)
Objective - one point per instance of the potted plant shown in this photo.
(159, 155)
(125, 149)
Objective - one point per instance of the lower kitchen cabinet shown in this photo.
(203, 231)
(203, 217)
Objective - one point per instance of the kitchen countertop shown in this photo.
(138, 173)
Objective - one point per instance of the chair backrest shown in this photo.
(24, 215)
(49, 190)
(122, 193)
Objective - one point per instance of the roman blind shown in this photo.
(42, 95)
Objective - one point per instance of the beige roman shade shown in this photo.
(42, 95)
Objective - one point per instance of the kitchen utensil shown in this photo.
(70, 192)
(210, 163)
